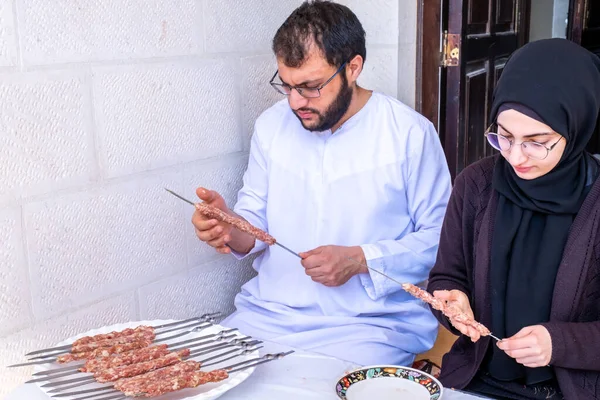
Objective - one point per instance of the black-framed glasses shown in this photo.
(535, 150)
(286, 89)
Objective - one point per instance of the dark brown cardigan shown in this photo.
(463, 262)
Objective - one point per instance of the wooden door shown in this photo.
(584, 24)
(584, 28)
(481, 34)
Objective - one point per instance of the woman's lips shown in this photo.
(522, 170)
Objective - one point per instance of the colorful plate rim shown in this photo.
(433, 386)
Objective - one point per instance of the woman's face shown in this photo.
(519, 128)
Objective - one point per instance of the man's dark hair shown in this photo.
(332, 28)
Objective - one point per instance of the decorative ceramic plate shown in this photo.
(385, 382)
(207, 391)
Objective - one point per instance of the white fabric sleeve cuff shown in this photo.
(373, 282)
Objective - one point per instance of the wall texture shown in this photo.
(102, 104)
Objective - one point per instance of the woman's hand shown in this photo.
(531, 346)
(459, 300)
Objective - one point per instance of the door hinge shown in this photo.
(450, 50)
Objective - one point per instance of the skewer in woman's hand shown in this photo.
(455, 299)
(531, 346)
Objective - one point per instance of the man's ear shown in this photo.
(354, 68)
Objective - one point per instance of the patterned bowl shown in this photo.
(383, 382)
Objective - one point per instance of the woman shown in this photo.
(520, 244)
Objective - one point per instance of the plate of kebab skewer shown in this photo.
(164, 359)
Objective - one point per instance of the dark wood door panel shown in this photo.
(593, 15)
(478, 16)
(483, 48)
(505, 16)
(476, 100)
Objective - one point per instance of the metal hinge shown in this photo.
(450, 50)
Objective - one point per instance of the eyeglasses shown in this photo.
(534, 150)
(286, 89)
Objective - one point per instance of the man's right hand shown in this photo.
(459, 300)
(215, 233)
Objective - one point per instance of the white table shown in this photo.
(299, 376)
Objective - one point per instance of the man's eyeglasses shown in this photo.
(286, 89)
(535, 150)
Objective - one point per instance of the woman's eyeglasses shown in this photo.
(535, 150)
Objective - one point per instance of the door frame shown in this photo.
(429, 35)
(432, 20)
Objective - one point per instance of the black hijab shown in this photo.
(559, 82)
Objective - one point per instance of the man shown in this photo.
(347, 177)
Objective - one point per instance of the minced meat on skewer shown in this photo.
(130, 384)
(113, 374)
(448, 310)
(91, 346)
(104, 351)
(240, 224)
(112, 335)
(130, 357)
(173, 384)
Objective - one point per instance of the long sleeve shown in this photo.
(575, 345)
(252, 198)
(410, 257)
(450, 271)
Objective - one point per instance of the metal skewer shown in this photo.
(194, 204)
(51, 358)
(217, 359)
(207, 350)
(191, 343)
(230, 369)
(291, 251)
(298, 255)
(200, 351)
(170, 324)
(195, 327)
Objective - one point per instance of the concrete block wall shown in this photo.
(104, 103)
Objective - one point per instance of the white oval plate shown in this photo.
(207, 391)
(383, 382)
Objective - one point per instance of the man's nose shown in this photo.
(296, 100)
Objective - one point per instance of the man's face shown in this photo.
(323, 112)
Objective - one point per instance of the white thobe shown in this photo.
(380, 181)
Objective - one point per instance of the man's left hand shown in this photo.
(330, 265)
(531, 346)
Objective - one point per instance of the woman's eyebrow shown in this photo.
(530, 135)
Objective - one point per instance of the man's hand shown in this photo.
(330, 265)
(531, 346)
(456, 298)
(215, 233)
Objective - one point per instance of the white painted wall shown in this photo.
(548, 19)
(560, 20)
(102, 104)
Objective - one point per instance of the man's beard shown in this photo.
(334, 112)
